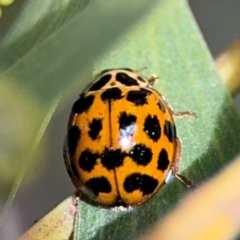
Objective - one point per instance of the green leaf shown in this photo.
(33, 23)
(46, 54)
(170, 45)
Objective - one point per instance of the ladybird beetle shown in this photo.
(121, 143)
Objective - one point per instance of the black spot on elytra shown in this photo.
(111, 94)
(142, 182)
(95, 128)
(127, 128)
(170, 131)
(99, 185)
(141, 154)
(163, 160)
(100, 83)
(126, 120)
(161, 106)
(138, 97)
(74, 134)
(87, 160)
(126, 80)
(112, 159)
(152, 127)
(83, 104)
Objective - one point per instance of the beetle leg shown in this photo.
(140, 69)
(175, 166)
(185, 114)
